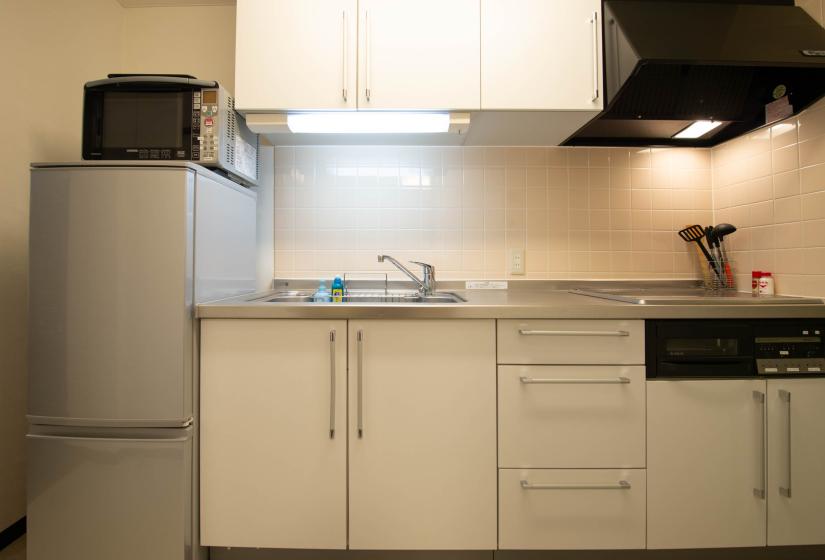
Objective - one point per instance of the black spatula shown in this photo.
(696, 234)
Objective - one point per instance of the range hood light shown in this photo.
(356, 122)
(697, 130)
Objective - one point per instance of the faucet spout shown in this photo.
(425, 286)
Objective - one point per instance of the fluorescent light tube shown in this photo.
(356, 122)
(697, 129)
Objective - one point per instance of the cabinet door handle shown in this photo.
(332, 384)
(759, 398)
(621, 485)
(344, 41)
(786, 396)
(595, 23)
(367, 90)
(360, 404)
(530, 332)
(607, 381)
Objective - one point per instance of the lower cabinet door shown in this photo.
(796, 465)
(569, 509)
(422, 457)
(706, 463)
(273, 433)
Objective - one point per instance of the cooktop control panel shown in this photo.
(782, 349)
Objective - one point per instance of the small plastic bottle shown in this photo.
(337, 290)
(755, 275)
(322, 295)
(766, 284)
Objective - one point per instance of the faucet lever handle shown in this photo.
(428, 268)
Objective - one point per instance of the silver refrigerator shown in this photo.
(119, 256)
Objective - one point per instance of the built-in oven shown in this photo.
(734, 348)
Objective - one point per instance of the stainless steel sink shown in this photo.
(369, 296)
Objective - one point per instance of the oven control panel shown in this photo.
(790, 350)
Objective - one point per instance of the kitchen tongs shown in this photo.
(696, 234)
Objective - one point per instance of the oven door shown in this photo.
(142, 121)
(690, 349)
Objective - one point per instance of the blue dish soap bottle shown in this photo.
(322, 295)
(337, 290)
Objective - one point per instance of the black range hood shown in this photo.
(671, 63)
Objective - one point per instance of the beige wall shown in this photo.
(578, 212)
(196, 40)
(50, 48)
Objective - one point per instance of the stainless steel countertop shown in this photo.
(524, 299)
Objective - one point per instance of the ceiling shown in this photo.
(173, 3)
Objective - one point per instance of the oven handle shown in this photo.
(706, 361)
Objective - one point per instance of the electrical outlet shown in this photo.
(516, 262)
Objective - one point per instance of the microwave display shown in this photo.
(701, 347)
(146, 121)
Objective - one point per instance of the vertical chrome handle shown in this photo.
(332, 383)
(360, 404)
(367, 90)
(786, 396)
(344, 54)
(595, 23)
(759, 398)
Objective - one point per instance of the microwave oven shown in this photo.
(168, 117)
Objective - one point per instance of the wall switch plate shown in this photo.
(517, 262)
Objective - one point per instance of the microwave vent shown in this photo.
(230, 129)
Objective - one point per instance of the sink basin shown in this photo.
(358, 296)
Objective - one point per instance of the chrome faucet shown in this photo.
(425, 286)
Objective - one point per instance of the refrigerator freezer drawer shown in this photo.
(98, 498)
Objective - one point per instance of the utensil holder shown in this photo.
(724, 280)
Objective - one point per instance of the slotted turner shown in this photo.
(696, 233)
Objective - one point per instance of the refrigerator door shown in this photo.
(99, 498)
(111, 291)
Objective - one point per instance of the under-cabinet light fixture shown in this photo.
(357, 122)
(697, 130)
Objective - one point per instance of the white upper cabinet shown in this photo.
(295, 54)
(418, 54)
(541, 55)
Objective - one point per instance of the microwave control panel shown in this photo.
(790, 350)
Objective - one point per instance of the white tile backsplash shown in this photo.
(577, 212)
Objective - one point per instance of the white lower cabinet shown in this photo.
(565, 509)
(273, 473)
(796, 463)
(706, 463)
(422, 458)
(571, 416)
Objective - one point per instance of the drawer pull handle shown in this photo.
(529, 332)
(609, 381)
(621, 485)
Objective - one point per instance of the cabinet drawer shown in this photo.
(571, 342)
(571, 509)
(571, 416)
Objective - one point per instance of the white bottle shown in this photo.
(766, 284)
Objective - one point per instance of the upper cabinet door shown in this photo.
(796, 464)
(295, 54)
(541, 55)
(419, 54)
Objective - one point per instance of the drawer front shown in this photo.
(571, 342)
(571, 416)
(571, 509)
